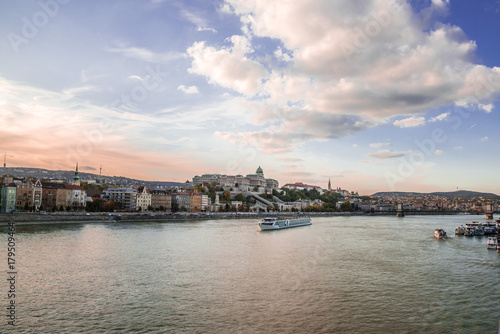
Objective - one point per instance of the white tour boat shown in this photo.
(492, 243)
(273, 223)
(439, 233)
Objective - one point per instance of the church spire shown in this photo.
(329, 185)
(76, 178)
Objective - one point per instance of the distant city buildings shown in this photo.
(213, 193)
(302, 186)
(252, 182)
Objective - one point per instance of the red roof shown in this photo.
(73, 187)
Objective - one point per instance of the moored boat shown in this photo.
(469, 231)
(460, 230)
(492, 243)
(273, 223)
(479, 230)
(439, 233)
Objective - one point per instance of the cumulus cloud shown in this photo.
(486, 107)
(372, 61)
(228, 67)
(188, 90)
(438, 152)
(409, 122)
(297, 129)
(485, 138)
(440, 117)
(386, 154)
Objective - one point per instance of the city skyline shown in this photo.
(376, 96)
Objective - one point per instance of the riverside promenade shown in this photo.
(30, 218)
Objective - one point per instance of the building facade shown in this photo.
(126, 196)
(161, 200)
(252, 182)
(55, 196)
(143, 199)
(78, 197)
(303, 186)
(181, 201)
(8, 197)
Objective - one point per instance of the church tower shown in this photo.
(329, 185)
(76, 178)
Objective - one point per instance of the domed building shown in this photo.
(252, 182)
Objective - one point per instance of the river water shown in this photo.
(340, 275)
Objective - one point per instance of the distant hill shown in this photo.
(450, 194)
(68, 175)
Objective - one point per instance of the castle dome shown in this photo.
(259, 171)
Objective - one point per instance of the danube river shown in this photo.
(361, 274)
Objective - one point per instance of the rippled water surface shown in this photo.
(339, 275)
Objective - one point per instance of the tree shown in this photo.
(346, 206)
(95, 206)
(109, 206)
(226, 196)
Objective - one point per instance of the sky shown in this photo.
(373, 95)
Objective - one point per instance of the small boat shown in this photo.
(273, 223)
(492, 243)
(479, 230)
(439, 233)
(469, 231)
(490, 230)
(460, 230)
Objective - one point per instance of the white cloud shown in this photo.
(440, 3)
(410, 122)
(280, 55)
(188, 90)
(485, 138)
(386, 154)
(486, 107)
(440, 117)
(206, 29)
(371, 61)
(438, 152)
(458, 148)
(377, 145)
(229, 68)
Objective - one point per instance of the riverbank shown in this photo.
(28, 218)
